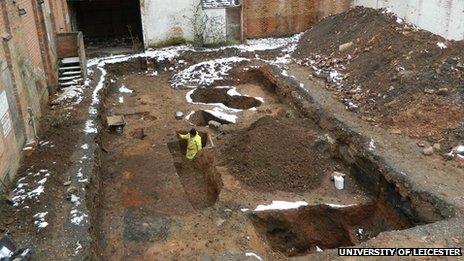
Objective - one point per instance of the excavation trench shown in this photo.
(284, 151)
(302, 231)
(197, 176)
(223, 95)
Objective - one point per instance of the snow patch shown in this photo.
(78, 217)
(39, 220)
(219, 113)
(340, 206)
(372, 145)
(281, 205)
(251, 254)
(442, 45)
(205, 73)
(124, 89)
(90, 127)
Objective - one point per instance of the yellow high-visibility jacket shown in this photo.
(193, 145)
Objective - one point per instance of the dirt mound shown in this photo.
(277, 154)
(392, 74)
(220, 95)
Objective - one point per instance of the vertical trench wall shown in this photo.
(442, 17)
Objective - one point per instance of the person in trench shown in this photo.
(193, 143)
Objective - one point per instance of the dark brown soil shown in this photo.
(299, 232)
(278, 154)
(399, 70)
(219, 95)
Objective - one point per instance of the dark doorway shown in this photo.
(108, 23)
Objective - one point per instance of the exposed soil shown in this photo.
(279, 154)
(219, 95)
(301, 231)
(396, 74)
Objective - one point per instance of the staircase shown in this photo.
(70, 72)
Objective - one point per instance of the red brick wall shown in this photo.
(61, 16)
(264, 18)
(28, 63)
(29, 29)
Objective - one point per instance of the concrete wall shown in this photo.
(442, 17)
(166, 22)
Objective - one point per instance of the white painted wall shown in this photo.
(164, 20)
(442, 17)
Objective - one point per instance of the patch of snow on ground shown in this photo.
(281, 205)
(189, 115)
(205, 73)
(340, 206)
(22, 191)
(442, 45)
(251, 254)
(266, 43)
(233, 92)
(124, 89)
(39, 220)
(219, 113)
(372, 145)
(90, 127)
(75, 199)
(78, 248)
(72, 93)
(78, 217)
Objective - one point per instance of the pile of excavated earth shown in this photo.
(279, 154)
(394, 75)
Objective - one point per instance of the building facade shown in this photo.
(28, 72)
(166, 22)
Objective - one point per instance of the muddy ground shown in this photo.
(154, 195)
(284, 135)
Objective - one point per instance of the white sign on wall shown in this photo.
(5, 119)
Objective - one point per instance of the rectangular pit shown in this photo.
(302, 231)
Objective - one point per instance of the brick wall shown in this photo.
(59, 9)
(264, 18)
(28, 65)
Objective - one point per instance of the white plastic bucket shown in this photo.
(339, 182)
